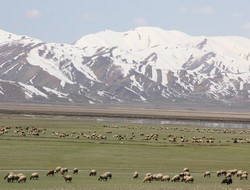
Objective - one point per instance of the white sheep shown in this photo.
(189, 179)
(34, 176)
(75, 171)
(157, 177)
(64, 170)
(147, 179)
(207, 174)
(93, 173)
(175, 178)
(108, 174)
(243, 176)
(165, 178)
(67, 178)
(22, 178)
(103, 177)
(136, 175)
(58, 169)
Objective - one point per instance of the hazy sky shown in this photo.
(65, 21)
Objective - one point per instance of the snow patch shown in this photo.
(56, 92)
(31, 91)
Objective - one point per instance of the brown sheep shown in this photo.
(50, 172)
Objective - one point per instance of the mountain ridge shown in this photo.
(143, 65)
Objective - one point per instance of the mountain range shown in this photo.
(146, 65)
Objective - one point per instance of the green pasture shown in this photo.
(28, 153)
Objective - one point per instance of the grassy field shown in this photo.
(119, 148)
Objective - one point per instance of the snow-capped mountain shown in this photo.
(148, 65)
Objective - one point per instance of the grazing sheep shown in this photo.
(157, 177)
(108, 174)
(9, 173)
(34, 176)
(207, 174)
(243, 176)
(165, 178)
(75, 171)
(233, 171)
(245, 172)
(148, 174)
(92, 173)
(175, 178)
(218, 173)
(64, 170)
(103, 177)
(136, 175)
(67, 178)
(58, 169)
(183, 178)
(221, 172)
(10, 178)
(228, 175)
(22, 178)
(16, 177)
(147, 179)
(239, 173)
(186, 174)
(185, 169)
(227, 181)
(50, 172)
(189, 179)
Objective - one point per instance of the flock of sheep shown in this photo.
(184, 176)
(11, 176)
(111, 134)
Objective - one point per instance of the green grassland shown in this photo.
(120, 148)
